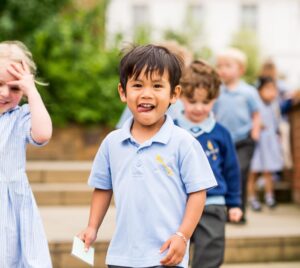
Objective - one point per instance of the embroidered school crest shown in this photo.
(160, 160)
(212, 151)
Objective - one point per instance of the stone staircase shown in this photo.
(60, 183)
(64, 183)
(272, 236)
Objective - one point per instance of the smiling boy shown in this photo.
(157, 171)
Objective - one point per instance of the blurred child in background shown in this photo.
(286, 99)
(200, 88)
(237, 108)
(267, 157)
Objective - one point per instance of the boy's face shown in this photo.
(268, 92)
(197, 108)
(9, 96)
(148, 98)
(229, 70)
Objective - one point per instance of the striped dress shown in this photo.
(22, 238)
(268, 154)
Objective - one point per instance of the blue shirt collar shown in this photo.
(162, 136)
(196, 129)
(238, 86)
(11, 110)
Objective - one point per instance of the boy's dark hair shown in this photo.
(263, 80)
(197, 75)
(155, 59)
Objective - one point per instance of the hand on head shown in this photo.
(24, 78)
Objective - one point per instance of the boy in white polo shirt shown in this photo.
(157, 171)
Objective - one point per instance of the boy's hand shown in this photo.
(24, 78)
(176, 251)
(88, 236)
(235, 214)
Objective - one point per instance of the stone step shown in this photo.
(272, 236)
(79, 171)
(64, 183)
(58, 171)
(282, 191)
(76, 193)
(62, 194)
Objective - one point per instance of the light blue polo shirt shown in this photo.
(151, 183)
(234, 109)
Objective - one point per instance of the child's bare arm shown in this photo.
(176, 244)
(99, 206)
(256, 126)
(41, 125)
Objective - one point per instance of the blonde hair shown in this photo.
(16, 51)
(235, 54)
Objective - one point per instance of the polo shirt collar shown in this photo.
(236, 89)
(197, 129)
(162, 136)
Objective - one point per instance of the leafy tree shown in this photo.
(83, 75)
(68, 45)
(19, 18)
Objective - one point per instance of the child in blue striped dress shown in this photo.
(23, 241)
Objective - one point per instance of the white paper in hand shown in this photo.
(79, 252)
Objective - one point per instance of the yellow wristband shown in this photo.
(181, 235)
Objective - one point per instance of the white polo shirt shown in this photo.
(151, 183)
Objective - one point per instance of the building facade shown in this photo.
(276, 24)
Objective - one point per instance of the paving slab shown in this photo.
(59, 165)
(62, 223)
(282, 221)
(270, 238)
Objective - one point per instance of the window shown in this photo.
(249, 16)
(196, 13)
(140, 16)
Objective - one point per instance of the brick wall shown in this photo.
(295, 135)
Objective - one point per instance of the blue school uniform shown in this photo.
(151, 183)
(218, 146)
(234, 109)
(209, 235)
(22, 239)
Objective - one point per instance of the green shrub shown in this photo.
(19, 18)
(83, 75)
